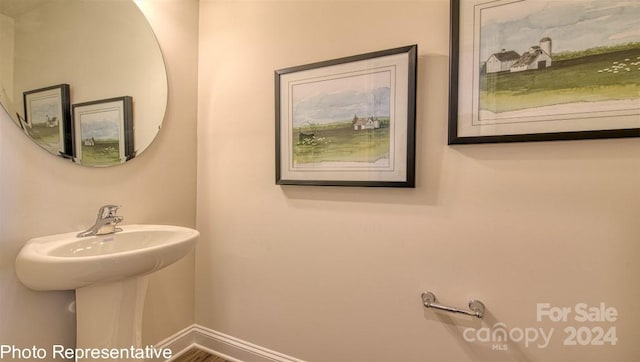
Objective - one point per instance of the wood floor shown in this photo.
(196, 355)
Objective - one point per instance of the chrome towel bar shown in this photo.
(476, 306)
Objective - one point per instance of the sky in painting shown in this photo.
(340, 98)
(571, 24)
(43, 107)
(101, 125)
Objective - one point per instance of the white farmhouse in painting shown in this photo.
(500, 62)
(537, 57)
(51, 121)
(365, 123)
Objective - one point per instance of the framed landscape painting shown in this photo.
(48, 119)
(104, 131)
(538, 70)
(348, 121)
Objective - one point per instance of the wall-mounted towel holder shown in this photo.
(476, 306)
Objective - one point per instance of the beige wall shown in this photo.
(42, 195)
(335, 274)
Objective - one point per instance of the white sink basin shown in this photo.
(64, 261)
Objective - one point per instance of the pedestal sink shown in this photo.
(109, 274)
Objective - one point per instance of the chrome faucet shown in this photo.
(106, 222)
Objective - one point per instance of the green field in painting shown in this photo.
(47, 137)
(103, 153)
(593, 78)
(339, 142)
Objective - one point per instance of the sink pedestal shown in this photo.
(109, 314)
(110, 275)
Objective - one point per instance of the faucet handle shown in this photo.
(108, 211)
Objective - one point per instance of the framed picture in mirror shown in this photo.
(103, 131)
(47, 119)
(348, 121)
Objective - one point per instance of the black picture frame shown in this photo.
(47, 119)
(348, 121)
(104, 131)
(469, 69)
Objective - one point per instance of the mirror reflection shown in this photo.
(84, 79)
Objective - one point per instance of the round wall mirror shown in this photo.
(84, 79)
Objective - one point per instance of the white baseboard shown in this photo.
(219, 344)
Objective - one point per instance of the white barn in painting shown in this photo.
(537, 57)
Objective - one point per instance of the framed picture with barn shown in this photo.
(348, 121)
(47, 119)
(543, 70)
(104, 131)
